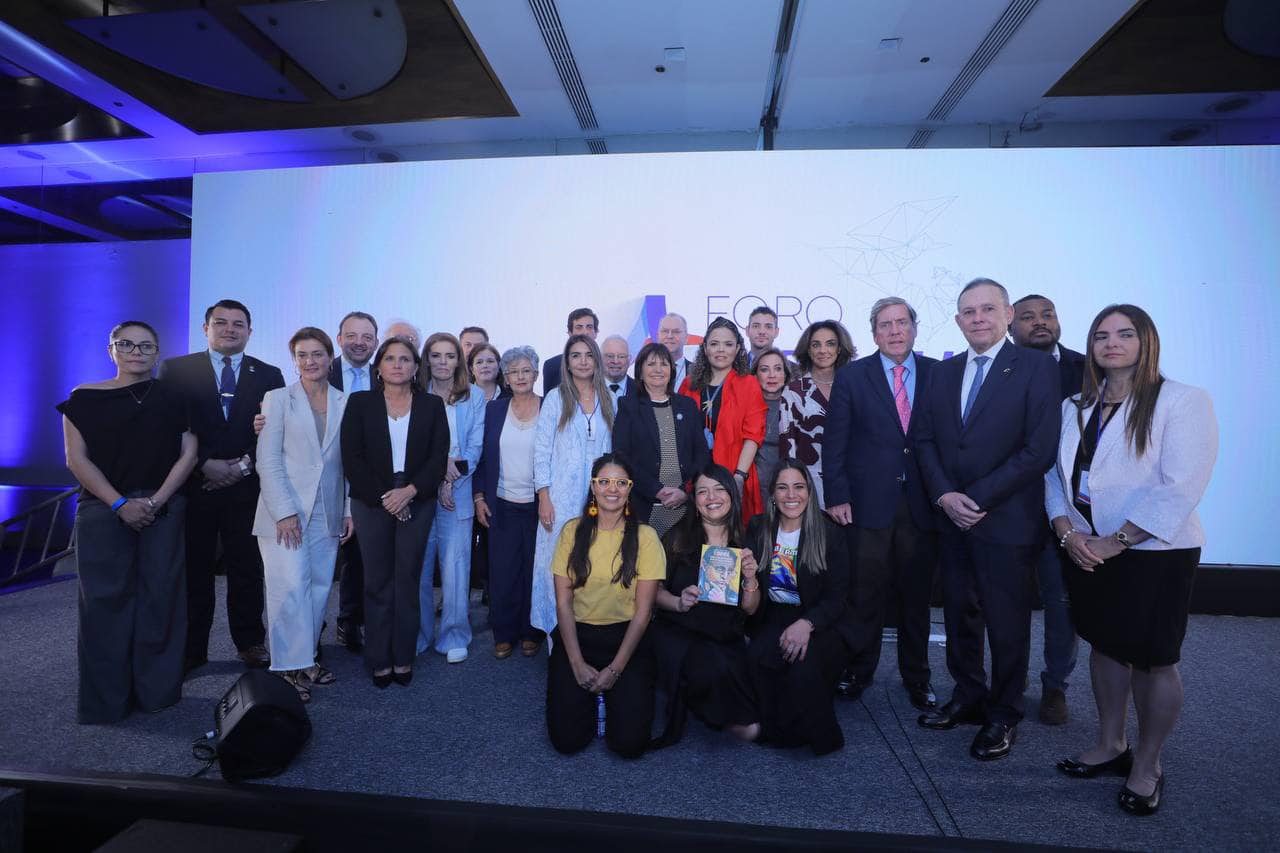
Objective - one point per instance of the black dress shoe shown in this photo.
(921, 694)
(382, 682)
(349, 637)
(1139, 805)
(850, 686)
(994, 741)
(1119, 765)
(1053, 707)
(951, 715)
(402, 678)
(255, 657)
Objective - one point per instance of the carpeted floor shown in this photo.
(475, 732)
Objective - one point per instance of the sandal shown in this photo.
(297, 679)
(319, 675)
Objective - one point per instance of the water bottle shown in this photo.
(599, 715)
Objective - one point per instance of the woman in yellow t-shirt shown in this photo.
(607, 567)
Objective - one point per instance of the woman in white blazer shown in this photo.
(1135, 456)
(303, 510)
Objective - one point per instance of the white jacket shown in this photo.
(296, 468)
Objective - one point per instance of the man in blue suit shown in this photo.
(874, 488)
(988, 433)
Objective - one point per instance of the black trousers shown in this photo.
(987, 588)
(892, 572)
(571, 711)
(350, 585)
(797, 700)
(225, 516)
(480, 555)
(133, 615)
(513, 534)
(392, 552)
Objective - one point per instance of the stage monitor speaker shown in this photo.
(260, 726)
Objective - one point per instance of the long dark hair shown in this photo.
(700, 371)
(1146, 376)
(580, 556)
(415, 383)
(687, 538)
(813, 530)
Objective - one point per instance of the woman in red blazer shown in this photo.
(733, 408)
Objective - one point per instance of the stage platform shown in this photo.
(474, 735)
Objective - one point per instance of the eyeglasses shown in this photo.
(124, 345)
(522, 373)
(606, 482)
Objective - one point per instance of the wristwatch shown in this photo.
(1125, 541)
(245, 470)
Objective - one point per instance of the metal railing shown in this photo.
(29, 520)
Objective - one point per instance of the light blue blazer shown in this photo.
(469, 423)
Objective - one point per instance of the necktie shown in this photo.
(357, 380)
(973, 389)
(900, 396)
(614, 386)
(227, 386)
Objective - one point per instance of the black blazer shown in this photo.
(822, 596)
(195, 379)
(366, 446)
(999, 457)
(485, 481)
(1070, 370)
(865, 454)
(635, 436)
(550, 374)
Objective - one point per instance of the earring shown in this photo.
(592, 509)
(626, 510)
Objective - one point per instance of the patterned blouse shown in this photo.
(801, 423)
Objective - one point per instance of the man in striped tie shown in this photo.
(875, 491)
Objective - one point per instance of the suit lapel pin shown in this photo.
(1008, 370)
(679, 416)
(251, 369)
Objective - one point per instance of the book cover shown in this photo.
(719, 572)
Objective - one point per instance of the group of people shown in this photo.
(842, 483)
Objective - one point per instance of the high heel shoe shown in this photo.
(1136, 804)
(383, 681)
(402, 678)
(1120, 766)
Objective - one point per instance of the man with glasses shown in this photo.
(222, 389)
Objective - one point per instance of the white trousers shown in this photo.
(297, 591)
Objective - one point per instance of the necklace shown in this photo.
(589, 417)
(136, 398)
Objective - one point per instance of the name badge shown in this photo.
(1082, 495)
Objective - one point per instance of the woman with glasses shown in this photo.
(575, 427)
(732, 408)
(506, 504)
(607, 568)
(660, 433)
(824, 347)
(303, 512)
(698, 642)
(128, 445)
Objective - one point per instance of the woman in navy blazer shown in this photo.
(506, 503)
(661, 493)
(393, 484)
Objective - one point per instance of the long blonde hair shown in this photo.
(569, 400)
(460, 387)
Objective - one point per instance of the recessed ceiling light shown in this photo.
(1185, 133)
(387, 156)
(361, 134)
(1232, 104)
(31, 155)
(924, 59)
(83, 176)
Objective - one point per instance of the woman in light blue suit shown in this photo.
(445, 375)
(575, 427)
(303, 510)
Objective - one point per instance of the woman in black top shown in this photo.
(699, 645)
(796, 651)
(129, 447)
(395, 441)
(660, 433)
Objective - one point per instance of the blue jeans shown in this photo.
(1059, 632)
(451, 539)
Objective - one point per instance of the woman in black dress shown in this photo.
(699, 645)
(129, 447)
(660, 433)
(796, 651)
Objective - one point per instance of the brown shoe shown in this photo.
(502, 650)
(255, 657)
(1053, 707)
(529, 648)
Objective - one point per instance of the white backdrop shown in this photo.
(1190, 234)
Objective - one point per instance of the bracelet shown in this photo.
(115, 507)
(1062, 542)
(616, 675)
(151, 503)
(740, 473)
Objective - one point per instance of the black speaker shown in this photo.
(260, 725)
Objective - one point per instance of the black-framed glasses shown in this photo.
(124, 345)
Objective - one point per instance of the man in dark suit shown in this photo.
(222, 389)
(582, 321)
(351, 371)
(673, 333)
(617, 358)
(988, 432)
(874, 489)
(1035, 325)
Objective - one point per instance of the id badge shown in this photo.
(711, 439)
(1082, 496)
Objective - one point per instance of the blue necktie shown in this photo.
(227, 387)
(357, 380)
(973, 389)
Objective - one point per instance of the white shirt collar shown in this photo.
(1057, 353)
(992, 353)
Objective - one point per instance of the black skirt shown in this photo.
(1133, 608)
